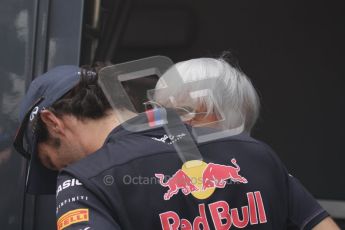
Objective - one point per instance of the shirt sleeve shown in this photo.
(77, 208)
(304, 211)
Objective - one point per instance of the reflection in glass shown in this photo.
(16, 35)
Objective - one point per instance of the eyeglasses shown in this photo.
(21, 141)
(186, 113)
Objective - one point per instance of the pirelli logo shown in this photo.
(72, 217)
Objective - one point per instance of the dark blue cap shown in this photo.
(52, 85)
(42, 93)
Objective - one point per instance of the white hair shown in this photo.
(189, 83)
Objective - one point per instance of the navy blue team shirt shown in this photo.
(135, 181)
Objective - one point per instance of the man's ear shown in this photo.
(53, 123)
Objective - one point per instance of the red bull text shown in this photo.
(223, 216)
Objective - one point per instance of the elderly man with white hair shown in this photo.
(214, 94)
(212, 90)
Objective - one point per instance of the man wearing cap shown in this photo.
(111, 178)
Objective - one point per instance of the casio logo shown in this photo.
(66, 184)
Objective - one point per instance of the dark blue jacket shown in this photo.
(135, 181)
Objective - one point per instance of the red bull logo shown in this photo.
(223, 216)
(201, 179)
(179, 181)
(215, 175)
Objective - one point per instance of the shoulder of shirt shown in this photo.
(120, 150)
